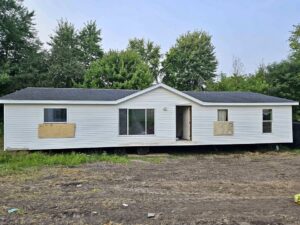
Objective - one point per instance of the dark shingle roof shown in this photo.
(235, 97)
(81, 94)
(72, 94)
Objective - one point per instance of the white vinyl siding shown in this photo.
(98, 125)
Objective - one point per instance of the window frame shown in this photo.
(227, 115)
(127, 122)
(267, 121)
(44, 110)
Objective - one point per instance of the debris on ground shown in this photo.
(125, 205)
(12, 210)
(151, 215)
(244, 223)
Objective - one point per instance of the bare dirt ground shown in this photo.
(249, 188)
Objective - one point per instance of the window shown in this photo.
(222, 114)
(55, 115)
(267, 121)
(136, 121)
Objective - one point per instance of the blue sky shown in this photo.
(255, 31)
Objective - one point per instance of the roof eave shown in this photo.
(60, 102)
(57, 102)
(251, 104)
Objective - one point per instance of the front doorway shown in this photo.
(184, 123)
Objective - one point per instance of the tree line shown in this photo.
(75, 58)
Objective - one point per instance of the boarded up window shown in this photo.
(56, 130)
(267, 121)
(223, 128)
(55, 115)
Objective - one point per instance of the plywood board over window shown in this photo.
(56, 130)
(223, 128)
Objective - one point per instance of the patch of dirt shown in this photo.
(241, 189)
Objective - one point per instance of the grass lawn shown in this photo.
(12, 162)
(15, 162)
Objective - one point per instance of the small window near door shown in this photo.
(267, 121)
(55, 115)
(222, 114)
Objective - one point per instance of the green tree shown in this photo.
(149, 52)
(191, 62)
(21, 58)
(254, 82)
(295, 43)
(284, 80)
(90, 43)
(72, 52)
(228, 83)
(284, 77)
(123, 70)
(66, 68)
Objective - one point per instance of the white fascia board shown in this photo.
(252, 104)
(53, 102)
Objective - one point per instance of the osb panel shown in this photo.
(57, 130)
(223, 128)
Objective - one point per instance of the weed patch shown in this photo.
(12, 162)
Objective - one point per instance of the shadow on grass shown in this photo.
(224, 149)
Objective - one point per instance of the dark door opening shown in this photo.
(184, 123)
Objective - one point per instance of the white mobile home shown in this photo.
(70, 118)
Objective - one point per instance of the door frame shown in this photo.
(190, 122)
